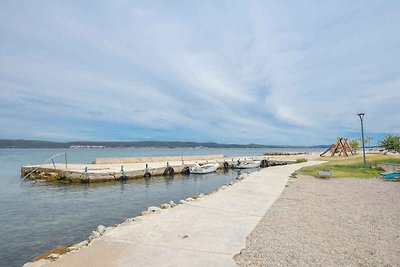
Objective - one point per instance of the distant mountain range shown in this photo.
(19, 143)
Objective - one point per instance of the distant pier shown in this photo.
(112, 169)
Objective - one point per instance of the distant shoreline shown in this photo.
(10, 143)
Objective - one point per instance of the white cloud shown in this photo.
(235, 72)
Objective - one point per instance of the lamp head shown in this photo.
(361, 115)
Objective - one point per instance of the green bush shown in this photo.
(354, 144)
(301, 160)
(391, 142)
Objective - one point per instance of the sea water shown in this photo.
(35, 217)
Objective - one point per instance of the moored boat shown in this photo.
(204, 168)
(247, 165)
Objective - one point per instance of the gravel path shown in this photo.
(333, 222)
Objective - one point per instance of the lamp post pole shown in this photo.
(361, 115)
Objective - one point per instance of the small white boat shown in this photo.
(204, 168)
(247, 165)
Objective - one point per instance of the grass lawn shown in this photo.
(352, 166)
(390, 160)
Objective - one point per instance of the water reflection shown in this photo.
(168, 180)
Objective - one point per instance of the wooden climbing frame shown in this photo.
(341, 147)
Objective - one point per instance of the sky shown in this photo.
(267, 72)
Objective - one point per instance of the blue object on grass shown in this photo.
(391, 175)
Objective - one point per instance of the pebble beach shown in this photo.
(328, 222)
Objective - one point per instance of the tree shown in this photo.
(368, 140)
(391, 142)
(354, 144)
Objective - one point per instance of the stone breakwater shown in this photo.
(204, 230)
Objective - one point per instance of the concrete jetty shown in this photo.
(208, 231)
(111, 169)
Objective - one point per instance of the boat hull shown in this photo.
(248, 165)
(208, 168)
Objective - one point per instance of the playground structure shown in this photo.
(342, 148)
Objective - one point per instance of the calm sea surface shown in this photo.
(35, 217)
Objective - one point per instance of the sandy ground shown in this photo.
(333, 222)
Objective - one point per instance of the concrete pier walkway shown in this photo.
(112, 169)
(205, 232)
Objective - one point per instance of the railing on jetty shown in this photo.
(44, 162)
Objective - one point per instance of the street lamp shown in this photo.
(361, 115)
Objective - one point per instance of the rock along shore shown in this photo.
(207, 230)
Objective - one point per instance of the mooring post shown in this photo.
(86, 178)
(66, 163)
(122, 171)
(147, 174)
